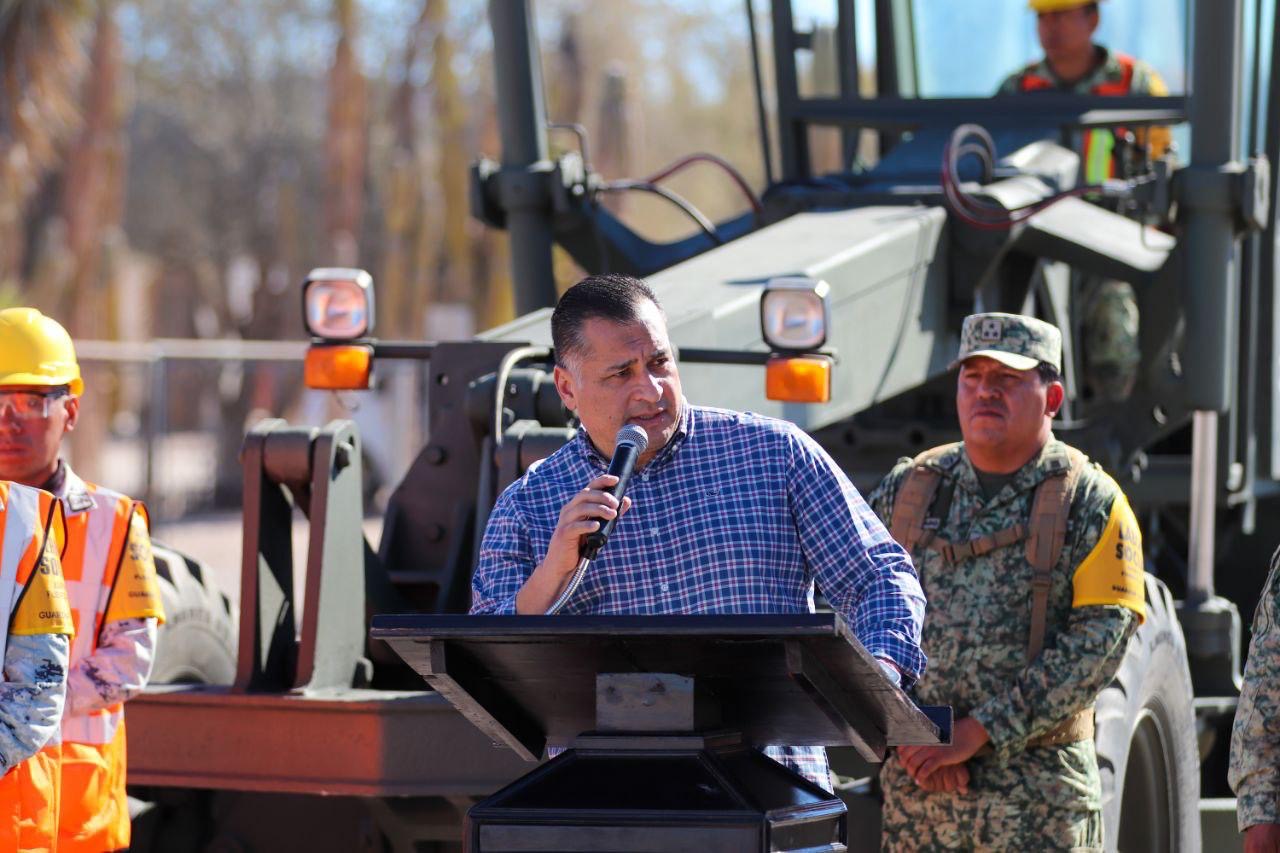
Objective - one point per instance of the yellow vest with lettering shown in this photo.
(105, 582)
(34, 598)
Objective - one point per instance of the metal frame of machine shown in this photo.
(1197, 444)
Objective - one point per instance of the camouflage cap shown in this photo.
(1020, 342)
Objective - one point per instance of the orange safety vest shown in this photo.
(29, 792)
(1099, 145)
(95, 809)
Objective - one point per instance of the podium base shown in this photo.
(625, 793)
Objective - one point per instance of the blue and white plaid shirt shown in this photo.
(738, 513)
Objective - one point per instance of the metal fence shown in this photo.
(163, 419)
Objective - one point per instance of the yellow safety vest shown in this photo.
(34, 598)
(105, 582)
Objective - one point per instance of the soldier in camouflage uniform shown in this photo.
(1255, 738)
(1073, 63)
(1030, 559)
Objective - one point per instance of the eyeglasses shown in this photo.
(28, 405)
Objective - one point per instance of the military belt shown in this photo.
(1079, 726)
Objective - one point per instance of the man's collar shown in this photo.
(1105, 66)
(684, 426)
(66, 486)
(57, 480)
(588, 450)
(1048, 461)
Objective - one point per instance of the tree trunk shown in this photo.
(41, 61)
(400, 303)
(346, 143)
(455, 281)
(91, 202)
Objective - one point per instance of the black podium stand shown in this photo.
(659, 715)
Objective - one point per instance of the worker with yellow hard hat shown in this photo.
(34, 647)
(1073, 63)
(110, 573)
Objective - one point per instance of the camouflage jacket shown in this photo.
(1107, 78)
(1255, 737)
(1108, 72)
(978, 618)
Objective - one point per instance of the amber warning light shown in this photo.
(338, 367)
(798, 379)
(795, 314)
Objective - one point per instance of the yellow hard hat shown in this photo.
(1039, 6)
(36, 350)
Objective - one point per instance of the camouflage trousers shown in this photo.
(1111, 350)
(1047, 799)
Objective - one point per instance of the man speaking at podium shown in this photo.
(727, 512)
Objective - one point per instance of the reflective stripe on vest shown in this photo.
(103, 528)
(1099, 156)
(24, 526)
(29, 792)
(1099, 145)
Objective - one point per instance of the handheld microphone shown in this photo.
(627, 447)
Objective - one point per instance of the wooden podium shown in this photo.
(659, 715)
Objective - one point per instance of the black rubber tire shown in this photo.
(197, 643)
(1146, 739)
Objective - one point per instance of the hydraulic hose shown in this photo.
(984, 215)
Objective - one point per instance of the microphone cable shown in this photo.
(627, 447)
(574, 582)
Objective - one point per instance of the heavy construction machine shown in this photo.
(322, 740)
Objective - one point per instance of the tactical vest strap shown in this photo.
(954, 552)
(915, 496)
(1049, 513)
(1045, 533)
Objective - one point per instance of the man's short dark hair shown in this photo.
(1048, 373)
(609, 296)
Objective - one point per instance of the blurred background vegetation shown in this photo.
(173, 169)
(170, 169)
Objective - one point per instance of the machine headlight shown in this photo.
(337, 304)
(794, 313)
